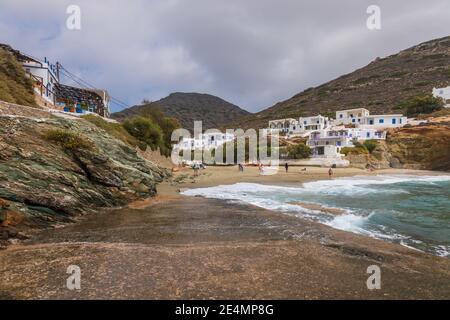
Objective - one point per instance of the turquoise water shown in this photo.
(411, 210)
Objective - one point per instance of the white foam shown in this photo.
(279, 198)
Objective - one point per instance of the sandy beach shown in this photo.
(178, 247)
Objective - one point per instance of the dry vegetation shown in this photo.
(15, 87)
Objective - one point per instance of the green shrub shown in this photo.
(145, 130)
(424, 104)
(370, 145)
(299, 151)
(69, 140)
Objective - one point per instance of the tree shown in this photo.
(370, 145)
(145, 130)
(299, 151)
(424, 104)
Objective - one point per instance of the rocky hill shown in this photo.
(189, 107)
(14, 86)
(380, 86)
(53, 168)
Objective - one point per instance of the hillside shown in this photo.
(380, 86)
(14, 86)
(190, 107)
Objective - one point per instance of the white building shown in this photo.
(329, 142)
(281, 125)
(351, 116)
(205, 141)
(44, 76)
(362, 118)
(443, 93)
(305, 125)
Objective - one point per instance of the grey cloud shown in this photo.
(250, 52)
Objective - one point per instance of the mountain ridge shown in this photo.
(188, 107)
(380, 86)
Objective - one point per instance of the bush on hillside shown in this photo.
(299, 151)
(370, 145)
(69, 140)
(145, 130)
(424, 104)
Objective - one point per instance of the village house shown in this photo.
(208, 141)
(50, 93)
(281, 125)
(305, 125)
(362, 118)
(443, 93)
(328, 143)
(82, 101)
(327, 137)
(43, 74)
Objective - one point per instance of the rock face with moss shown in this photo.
(52, 169)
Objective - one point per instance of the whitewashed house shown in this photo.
(443, 93)
(305, 125)
(281, 125)
(328, 143)
(207, 141)
(362, 118)
(351, 116)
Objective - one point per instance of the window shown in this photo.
(359, 120)
(353, 120)
(394, 121)
(401, 120)
(381, 121)
(351, 115)
(367, 134)
(371, 121)
(341, 116)
(338, 143)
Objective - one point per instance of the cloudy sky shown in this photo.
(253, 53)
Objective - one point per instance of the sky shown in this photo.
(252, 53)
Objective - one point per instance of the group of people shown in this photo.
(197, 166)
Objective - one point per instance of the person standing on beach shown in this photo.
(196, 167)
(286, 166)
(330, 173)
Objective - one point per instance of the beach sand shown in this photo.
(177, 247)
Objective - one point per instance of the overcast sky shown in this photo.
(252, 53)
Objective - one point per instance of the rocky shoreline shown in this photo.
(43, 182)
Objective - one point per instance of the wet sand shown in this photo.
(176, 247)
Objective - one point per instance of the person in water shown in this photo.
(330, 173)
(286, 166)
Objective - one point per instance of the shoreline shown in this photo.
(291, 179)
(179, 247)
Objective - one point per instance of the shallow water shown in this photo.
(407, 209)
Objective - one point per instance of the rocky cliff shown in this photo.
(44, 181)
(423, 147)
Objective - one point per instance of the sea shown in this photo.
(412, 210)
